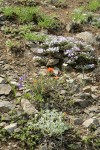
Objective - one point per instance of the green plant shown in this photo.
(79, 16)
(47, 21)
(3, 134)
(11, 43)
(28, 136)
(8, 11)
(25, 28)
(51, 123)
(42, 86)
(24, 14)
(93, 5)
(35, 37)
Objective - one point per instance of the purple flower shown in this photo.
(67, 52)
(20, 85)
(21, 81)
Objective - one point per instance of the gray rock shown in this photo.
(5, 89)
(7, 67)
(63, 92)
(87, 89)
(28, 107)
(16, 84)
(90, 122)
(5, 106)
(37, 51)
(93, 108)
(2, 124)
(97, 132)
(43, 72)
(1, 80)
(78, 121)
(86, 36)
(81, 102)
(52, 62)
(10, 128)
(56, 71)
(74, 27)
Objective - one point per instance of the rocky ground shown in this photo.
(57, 70)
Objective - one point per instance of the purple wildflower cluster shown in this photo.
(71, 48)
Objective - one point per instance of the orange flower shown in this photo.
(50, 70)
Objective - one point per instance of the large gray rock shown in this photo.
(90, 122)
(5, 89)
(28, 107)
(86, 36)
(10, 128)
(5, 106)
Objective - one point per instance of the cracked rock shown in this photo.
(10, 128)
(28, 107)
(5, 106)
(5, 89)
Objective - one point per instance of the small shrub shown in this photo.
(51, 123)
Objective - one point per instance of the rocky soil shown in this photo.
(60, 72)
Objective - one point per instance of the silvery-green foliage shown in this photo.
(51, 123)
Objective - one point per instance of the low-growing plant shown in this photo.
(16, 47)
(23, 14)
(47, 21)
(35, 37)
(51, 123)
(25, 28)
(11, 43)
(79, 16)
(93, 5)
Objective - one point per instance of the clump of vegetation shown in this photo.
(41, 87)
(51, 123)
(79, 16)
(35, 37)
(85, 15)
(15, 47)
(23, 14)
(11, 43)
(93, 5)
(28, 14)
(51, 23)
